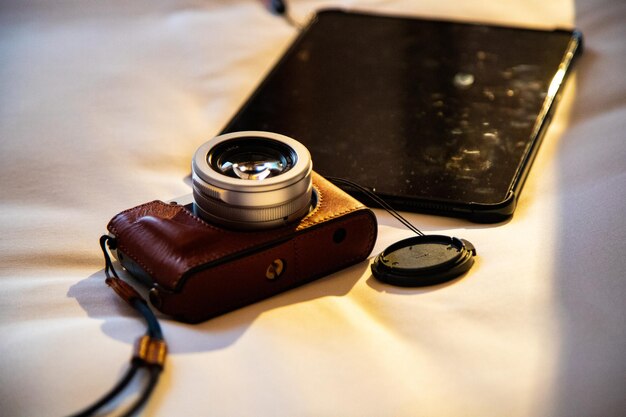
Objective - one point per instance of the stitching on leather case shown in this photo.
(219, 269)
(128, 251)
(348, 261)
(329, 217)
(178, 283)
(125, 249)
(320, 201)
(132, 256)
(111, 226)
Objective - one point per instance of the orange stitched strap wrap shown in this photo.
(124, 290)
(150, 351)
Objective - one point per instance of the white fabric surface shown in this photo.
(103, 103)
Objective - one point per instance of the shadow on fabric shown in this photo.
(100, 302)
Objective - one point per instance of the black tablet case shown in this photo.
(434, 116)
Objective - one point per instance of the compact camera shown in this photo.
(261, 222)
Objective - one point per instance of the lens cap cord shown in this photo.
(150, 349)
(418, 261)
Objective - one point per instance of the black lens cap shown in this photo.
(424, 260)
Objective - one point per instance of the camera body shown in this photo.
(197, 269)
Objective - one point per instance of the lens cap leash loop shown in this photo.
(382, 203)
(421, 260)
(150, 349)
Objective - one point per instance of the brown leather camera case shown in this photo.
(196, 270)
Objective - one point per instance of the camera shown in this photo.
(261, 222)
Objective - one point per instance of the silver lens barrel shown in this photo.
(252, 180)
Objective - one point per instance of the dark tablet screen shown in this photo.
(419, 111)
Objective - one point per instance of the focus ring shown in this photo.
(218, 211)
(252, 199)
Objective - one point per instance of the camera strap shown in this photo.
(150, 349)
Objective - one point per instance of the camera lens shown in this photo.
(252, 180)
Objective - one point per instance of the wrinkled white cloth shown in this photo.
(102, 105)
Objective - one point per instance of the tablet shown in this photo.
(433, 116)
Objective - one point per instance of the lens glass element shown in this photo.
(252, 158)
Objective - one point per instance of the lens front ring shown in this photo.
(207, 173)
(256, 201)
